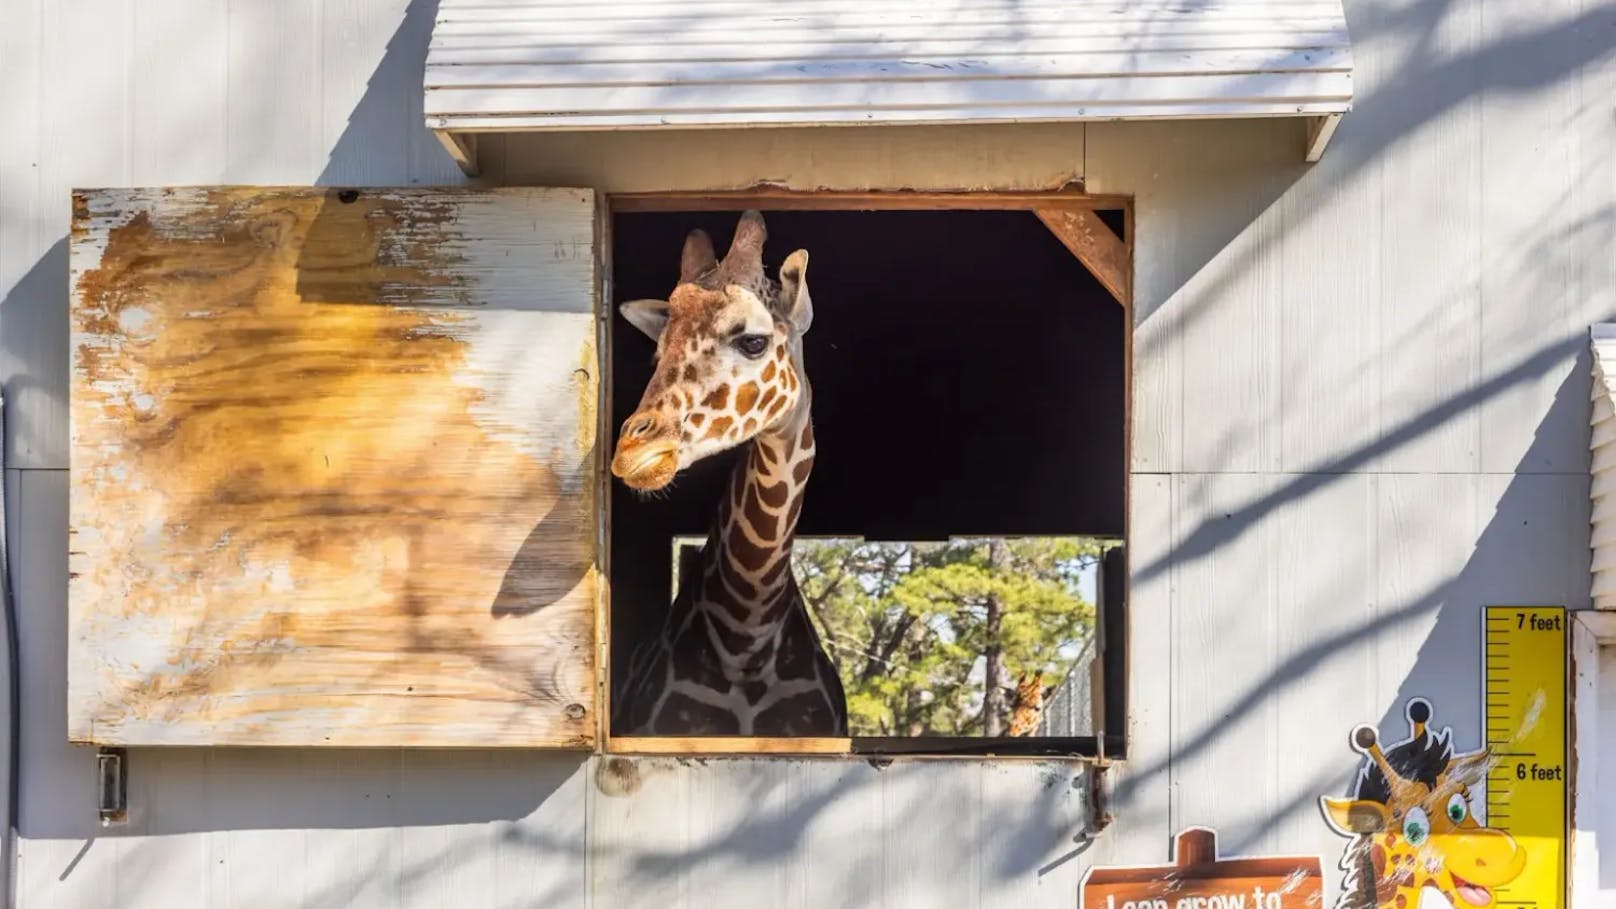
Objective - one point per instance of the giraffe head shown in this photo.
(1415, 834)
(1028, 706)
(728, 357)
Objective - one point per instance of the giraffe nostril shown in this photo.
(639, 426)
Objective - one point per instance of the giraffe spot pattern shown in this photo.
(795, 715)
(801, 471)
(768, 372)
(688, 662)
(718, 427)
(717, 398)
(773, 496)
(742, 587)
(746, 398)
(733, 642)
(762, 522)
(682, 714)
(772, 576)
(757, 661)
(751, 557)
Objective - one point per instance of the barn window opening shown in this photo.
(960, 546)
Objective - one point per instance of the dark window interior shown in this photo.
(968, 377)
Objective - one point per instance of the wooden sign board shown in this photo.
(333, 467)
(1198, 879)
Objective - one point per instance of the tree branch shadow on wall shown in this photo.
(260, 791)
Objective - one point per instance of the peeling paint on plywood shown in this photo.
(333, 477)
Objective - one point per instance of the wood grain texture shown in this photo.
(1100, 250)
(333, 467)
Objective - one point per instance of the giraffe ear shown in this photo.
(1351, 817)
(1469, 769)
(794, 291)
(649, 316)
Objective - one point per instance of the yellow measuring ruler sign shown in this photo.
(1524, 650)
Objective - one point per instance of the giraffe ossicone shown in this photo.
(737, 654)
(1416, 840)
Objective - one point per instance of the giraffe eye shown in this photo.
(1457, 809)
(1417, 826)
(752, 345)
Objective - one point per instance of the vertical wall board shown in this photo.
(273, 108)
(841, 804)
(1534, 303)
(1231, 360)
(538, 839)
(1533, 543)
(9, 766)
(368, 139)
(1206, 291)
(1531, 306)
(1329, 262)
(739, 823)
(637, 839)
(84, 127)
(1430, 258)
(56, 810)
(32, 411)
(1323, 668)
(333, 467)
(931, 815)
(800, 833)
(177, 95)
(1140, 785)
(1033, 820)
(1425, 536)
(1224, 718)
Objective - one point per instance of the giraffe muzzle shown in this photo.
(646, 465)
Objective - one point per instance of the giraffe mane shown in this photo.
(1424, 759)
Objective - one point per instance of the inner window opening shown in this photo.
(969, 385)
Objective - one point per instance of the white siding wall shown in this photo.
(1362, 413)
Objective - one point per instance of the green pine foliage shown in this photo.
(916, 629)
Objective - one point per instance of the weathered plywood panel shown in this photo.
(333, 467)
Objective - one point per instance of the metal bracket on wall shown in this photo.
(112, 785)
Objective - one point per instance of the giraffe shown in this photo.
(1415, 837)
(1028, 707)
(737, 654)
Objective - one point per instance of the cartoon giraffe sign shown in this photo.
(1416, 837)
(1416, 842)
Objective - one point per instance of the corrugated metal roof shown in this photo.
(508, 65)
(1602, 482)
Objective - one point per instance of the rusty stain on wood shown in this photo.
(333, 467)
(1106, 256)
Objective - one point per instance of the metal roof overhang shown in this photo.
(564, 65)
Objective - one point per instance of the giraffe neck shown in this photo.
(747, 586)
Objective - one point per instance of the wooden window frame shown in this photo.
(1064, 212)
(1592, 631)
